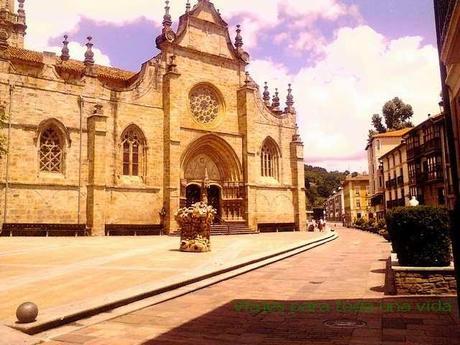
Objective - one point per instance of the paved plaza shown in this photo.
(344, 279)
(60, 274)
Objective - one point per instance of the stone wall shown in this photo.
(425, 282)
(91, 107)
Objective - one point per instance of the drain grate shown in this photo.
(345, 323)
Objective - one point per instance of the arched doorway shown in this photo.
(210, 161)
(193, 194)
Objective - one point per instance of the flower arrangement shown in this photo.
(195, 227)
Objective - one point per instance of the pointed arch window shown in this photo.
(269, 160)
(134, 147)
(51, 151)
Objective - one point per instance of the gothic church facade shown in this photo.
(100, 146)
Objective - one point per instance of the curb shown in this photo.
(204, 280)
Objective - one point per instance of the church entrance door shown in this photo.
(214, 199)
(193, 195)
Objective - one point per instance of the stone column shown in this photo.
(298, 182)
(96, 200)
(246, 109)
(172, 93)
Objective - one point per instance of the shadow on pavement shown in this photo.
(424, 320)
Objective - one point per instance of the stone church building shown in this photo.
(100, 146)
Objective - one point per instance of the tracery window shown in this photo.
(204, 104)
(269, 160)
(51, 151)
(133, 145)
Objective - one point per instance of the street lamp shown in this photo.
(413, 202)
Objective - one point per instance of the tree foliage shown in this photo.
(377, 123)
(396, 114)
(319, 184)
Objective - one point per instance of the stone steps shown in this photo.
(231, 229)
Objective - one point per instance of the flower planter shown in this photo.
(195, 227)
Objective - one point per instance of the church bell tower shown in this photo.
(12, 25)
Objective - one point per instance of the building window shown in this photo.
(378, 144)
(433, 167)
(204, 104)
(133, 144)
(269, 160)
(51, 152)
(358, 203)
(357, 191)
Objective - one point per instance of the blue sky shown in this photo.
(345, 58)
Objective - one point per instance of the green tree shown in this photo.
(397, 115)
(377, 123)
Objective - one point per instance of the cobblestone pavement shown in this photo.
(300, 300)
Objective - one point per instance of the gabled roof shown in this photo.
(33, 57)
(206, 4)
(392, 134)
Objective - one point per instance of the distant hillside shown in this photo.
(320, 183)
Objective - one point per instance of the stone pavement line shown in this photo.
(340, 271)
(54, 317)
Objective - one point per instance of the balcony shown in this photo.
(414, 153)
(432, 146)
(395, 203)
(435, 175)
(377, 200)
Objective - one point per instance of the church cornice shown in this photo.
(198, 54)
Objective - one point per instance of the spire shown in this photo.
(21, 11)
(266, 95)
(187, 7)
(276, 101)
(296, 137)
(238, 38)
(65, 49)
(167, 21)
(89, 55)
(289, 100)
(167, 34)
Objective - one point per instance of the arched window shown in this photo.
(133, 145)
(51, 151)
(269, 160)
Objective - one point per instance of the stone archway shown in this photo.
(211, 163)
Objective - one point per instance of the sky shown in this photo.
(345, 58)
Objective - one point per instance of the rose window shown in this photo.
(204, 104)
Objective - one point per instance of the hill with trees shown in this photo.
(320, 183)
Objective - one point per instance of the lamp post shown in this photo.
(414, 202)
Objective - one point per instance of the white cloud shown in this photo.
(77, 51)
(360, 71)
(51, 18)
